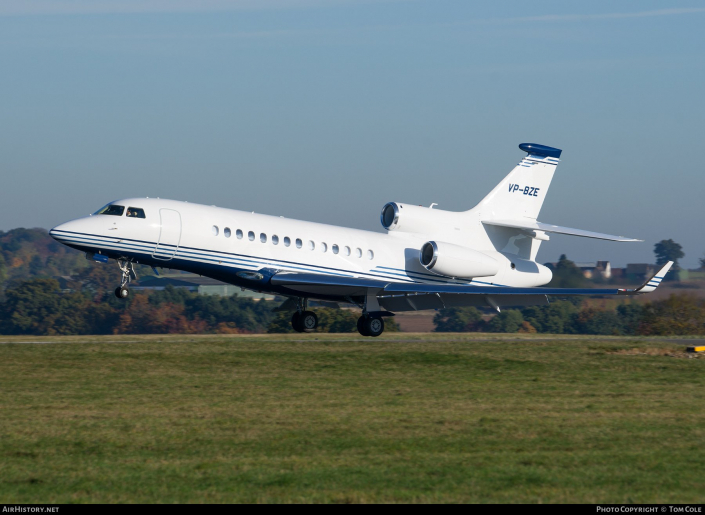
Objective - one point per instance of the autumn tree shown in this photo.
(669, 250)
(676, 315)
(566, 274)
(457, 320)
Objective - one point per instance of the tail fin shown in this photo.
(521, 194)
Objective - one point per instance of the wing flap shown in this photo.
(323, 284)
(469, 289)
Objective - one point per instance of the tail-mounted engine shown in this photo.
(456, 261)
(416, 219)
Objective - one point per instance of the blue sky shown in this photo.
(325, 110)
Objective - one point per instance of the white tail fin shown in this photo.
(521, 194)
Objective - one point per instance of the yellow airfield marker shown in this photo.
(696, 348)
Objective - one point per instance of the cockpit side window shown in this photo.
(111, 209)
(135, 212)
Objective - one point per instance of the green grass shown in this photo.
(341, 418)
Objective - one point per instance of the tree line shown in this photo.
(681, 314)
(33, 303)
(38, 307)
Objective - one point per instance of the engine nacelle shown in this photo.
(456, 261)
(416, 219)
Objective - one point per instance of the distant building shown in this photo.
(197, 284)
(601, 269)
(618, 273)
(67, 284)
(639, 271)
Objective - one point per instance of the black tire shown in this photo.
(121, 292)
(374, 326)
(296, 323)
(361, 326)
(308, 321)
(117, 292)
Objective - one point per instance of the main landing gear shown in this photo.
(128, 273)
(370, 325)
(304, 321)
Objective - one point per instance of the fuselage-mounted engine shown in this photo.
(416, 219)
(456, 261)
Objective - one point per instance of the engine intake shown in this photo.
(456, 261)
(400, 217)
(390, 216)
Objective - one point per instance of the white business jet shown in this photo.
(428, 259)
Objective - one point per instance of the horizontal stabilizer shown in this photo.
(528, 225)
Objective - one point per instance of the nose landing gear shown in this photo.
(128, 273)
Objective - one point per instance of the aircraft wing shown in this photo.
(322, 284)
(538, 226)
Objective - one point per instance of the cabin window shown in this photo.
(135, 212)
(287, 241)
(251, 236)
(275, 239)
(324, 247)
(111, 209)
(263, 238)
(335, 249)
(238, 233)
(358, 252)
(311, 245)
(226, 232)
(347, 251)
(215, 230)
(370, 254)
(299, 243)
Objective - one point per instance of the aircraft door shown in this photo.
(169, 235)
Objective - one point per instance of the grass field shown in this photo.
(341, 418)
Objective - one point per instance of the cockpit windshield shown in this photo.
(111, 209)
(135, 212)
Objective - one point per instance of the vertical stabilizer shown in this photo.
(521, 194)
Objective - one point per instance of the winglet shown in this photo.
(651, 284)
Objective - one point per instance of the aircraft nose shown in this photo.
(59, 232)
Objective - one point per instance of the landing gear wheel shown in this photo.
(296, 322)
(361, 326)
(122, 292)
(374, 326)
(309, 321)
